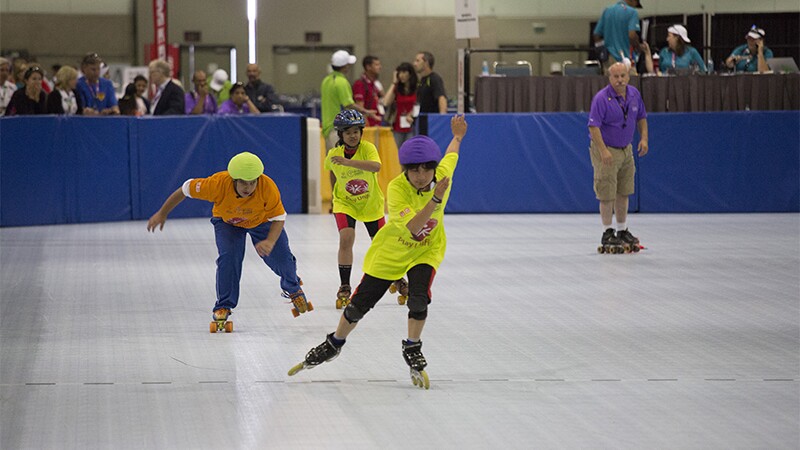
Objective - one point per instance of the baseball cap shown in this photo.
(218, 79)
(755, 33)
(341, 58)
(679, 30)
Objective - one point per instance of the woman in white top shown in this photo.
(64, 99)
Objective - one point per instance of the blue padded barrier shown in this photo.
(88, 169)
(698, 162)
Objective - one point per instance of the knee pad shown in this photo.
(417, 307)
(352, 313)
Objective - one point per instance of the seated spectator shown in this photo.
(220, 86)
(261, 94)
(64, 99)
(677, 54)
(97, 93)
(7, 88)
(752, 56)
(18, 68)
(131, 104)
(141, 84)
(400, 100)
(239, 103)
(200, 101)
(30, 99)
(168, 100)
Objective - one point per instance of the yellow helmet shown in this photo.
(245, 166)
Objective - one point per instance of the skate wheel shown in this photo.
(600, 250)
(392, 288)
(401, 300)
(295, 312)
(636, 248)
(213, 327)
(339, 303)
(296, 368)
(310, 307)
(228, 327)
(420, 379)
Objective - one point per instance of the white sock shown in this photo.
(622, 226)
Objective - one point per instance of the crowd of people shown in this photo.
(616, 37)
(87, 90)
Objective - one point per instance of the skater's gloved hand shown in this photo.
(264, 248)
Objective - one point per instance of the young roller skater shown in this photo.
(245, 202)
(412, 243)
(356, 194)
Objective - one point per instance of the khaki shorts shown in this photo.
(616, 179)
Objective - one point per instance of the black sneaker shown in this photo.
(627, 238)
(327, 351)
(610, 238)
(412, 353)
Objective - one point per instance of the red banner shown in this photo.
(160, 28)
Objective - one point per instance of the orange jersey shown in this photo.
(264, 204)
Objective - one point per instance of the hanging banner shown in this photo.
(160, 28)
(467, 19)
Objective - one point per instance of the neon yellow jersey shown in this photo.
(394, 250)
(357, 192)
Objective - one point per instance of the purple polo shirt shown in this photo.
(209, 107)
(228, 107)
(617, 116)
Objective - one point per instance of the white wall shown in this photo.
(575, 8)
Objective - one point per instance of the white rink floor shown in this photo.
(533, 340)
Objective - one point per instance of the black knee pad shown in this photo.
(417, 306)
(353, 313)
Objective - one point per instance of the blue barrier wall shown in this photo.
(88, 169)
(698, 162)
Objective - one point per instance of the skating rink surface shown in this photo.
(533, 340)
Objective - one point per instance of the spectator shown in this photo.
(168, 100)
(30, 99)
(19, 66)
(431, 96)
(64, 99)
(200, 101)
(337, 95)
(97, 93)
(261, 94)
(7, 88)
(220, 86)
(131, 104)
(239, 103)
(678, 55)
(616, 33)
(399, 102)
(752, 56)
(141, 84)
(367, 90)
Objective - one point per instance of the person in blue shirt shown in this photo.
(752, 56)
(677, 54)
(616, 33)
(97, 93)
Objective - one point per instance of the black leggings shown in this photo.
(371, 289)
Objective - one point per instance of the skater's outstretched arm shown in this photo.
(458, 124)
(418, 222)
(158, 219)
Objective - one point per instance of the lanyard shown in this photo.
(624, 107)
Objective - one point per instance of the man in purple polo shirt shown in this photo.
(616, 111)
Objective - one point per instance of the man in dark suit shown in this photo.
(169, 97)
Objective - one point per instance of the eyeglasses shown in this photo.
(30, 70)
(92, 58)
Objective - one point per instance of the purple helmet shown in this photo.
(418, 150)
